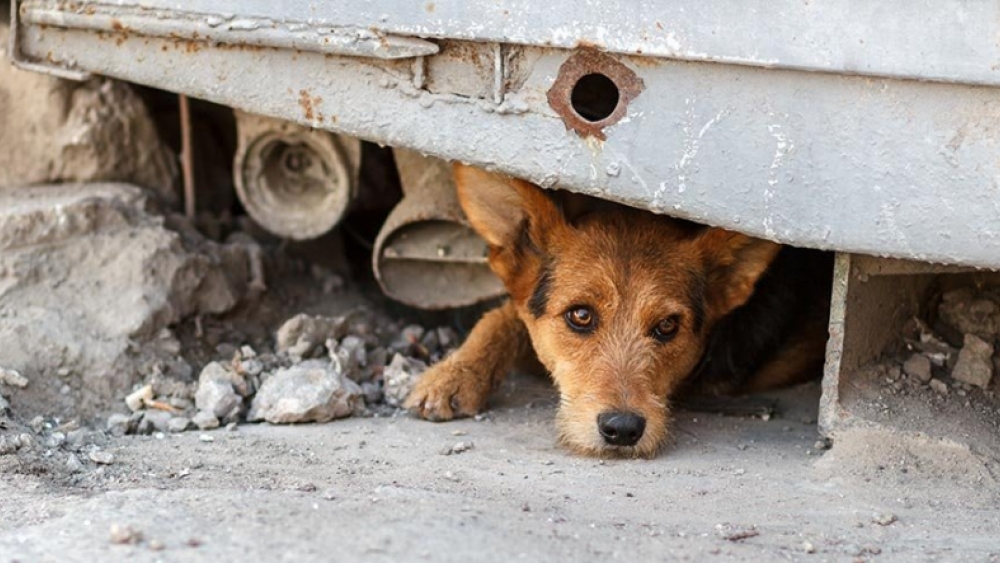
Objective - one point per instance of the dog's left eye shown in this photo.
(580, 319)
(667, 328)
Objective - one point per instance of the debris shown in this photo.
(101, 457)
(123, 534)
(349, 356)
(312, 391)
(975, 362)
(205, 420)
(216, 393)
(155, 420)
(122, 277)
(970, 312)
(457, 448)
(206, 438)
(939, 386)
(73, 464)
(732, 533)
(884, 519)
(918, 366)
(400, 376)
(13, 378)
(302, 335)
(137, 400)
(12, 443)
(178, 424)
(119, 424)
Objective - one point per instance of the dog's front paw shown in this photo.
(449, 390)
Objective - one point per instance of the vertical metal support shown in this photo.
(187, 157)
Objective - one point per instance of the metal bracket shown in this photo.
(20, 62)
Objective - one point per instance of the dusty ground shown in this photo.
(379, 489)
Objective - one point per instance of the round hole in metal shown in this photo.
(594, 97)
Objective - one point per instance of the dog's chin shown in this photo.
(604, 451)
(584, 440)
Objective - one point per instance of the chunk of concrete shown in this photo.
(312, 391)
(975, 362)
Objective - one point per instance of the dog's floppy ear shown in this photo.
(733, 264)
(503, 209)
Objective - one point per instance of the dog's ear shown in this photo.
(503, 209)
(733, 264)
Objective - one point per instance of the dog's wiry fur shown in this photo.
(750, 313)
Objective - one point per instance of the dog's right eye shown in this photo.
(580, 319)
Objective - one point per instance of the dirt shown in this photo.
(379, 489)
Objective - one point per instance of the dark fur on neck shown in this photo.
(792, 292)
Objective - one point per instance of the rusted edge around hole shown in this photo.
(582, 63)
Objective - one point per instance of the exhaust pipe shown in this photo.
(294, 181)
(426, 254)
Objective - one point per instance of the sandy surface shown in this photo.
(379, 489)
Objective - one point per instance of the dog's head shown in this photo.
(619, 302)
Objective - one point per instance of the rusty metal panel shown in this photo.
(946, 40)
(858, 164)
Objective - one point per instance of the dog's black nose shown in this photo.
(621, 428)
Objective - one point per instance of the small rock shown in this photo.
(330, 494)
(232, 427)
(350, 356)
(137, 400)
(457, 448)
(302, 335)
(975, 362)
(73, 464)
(156, 420)
(178, 424)
(122, 534)
(205, 420)
(4, 406)
(13, 378)
(119, 424)
(312, 391)
(399, 378)
(372, 393)
(156, 545)
(12, 443)
(939, 386)
(808, 547)
(217, 393)
(447, 337)
(206, 438)
(407, 339)
(101, 457)
(919, 367)
(884, 519)
(430, 342)
(55, 440)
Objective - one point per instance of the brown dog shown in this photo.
(625, 309)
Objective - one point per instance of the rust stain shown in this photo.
(309, 105)
(587, 62)
(117, 25)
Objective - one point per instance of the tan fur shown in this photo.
(633, 268)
